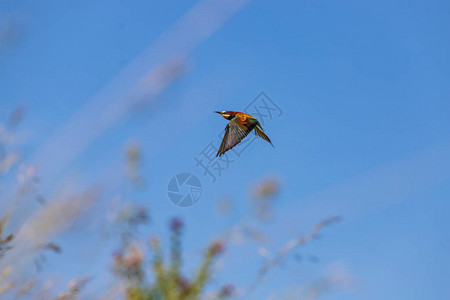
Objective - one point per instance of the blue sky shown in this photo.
(364, 130)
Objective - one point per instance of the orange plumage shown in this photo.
(240, 125)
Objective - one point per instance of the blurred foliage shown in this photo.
(10, 30)
(168, 281)
(74, 287)
(263, 196)
(133, 165)
(5, 242)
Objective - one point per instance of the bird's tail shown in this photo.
(260, 132)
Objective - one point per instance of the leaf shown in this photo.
(4, 222)
(8, 238)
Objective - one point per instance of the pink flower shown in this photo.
(217, 247)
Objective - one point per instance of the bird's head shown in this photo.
(226, 114)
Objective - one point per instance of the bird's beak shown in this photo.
(218, 112)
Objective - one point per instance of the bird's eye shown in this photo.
(223, 112)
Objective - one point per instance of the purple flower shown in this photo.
(176, 224)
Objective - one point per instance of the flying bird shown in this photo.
(240, 125)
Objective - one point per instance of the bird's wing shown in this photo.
(236, 130)
(260, 132)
